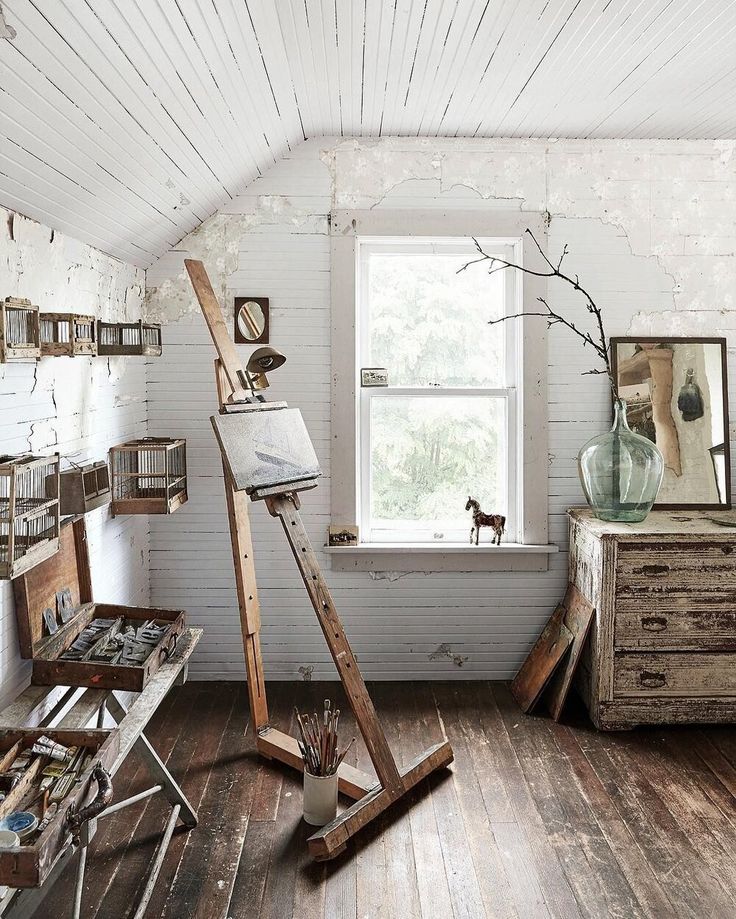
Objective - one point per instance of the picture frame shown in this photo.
(251, 320)
(676, 394)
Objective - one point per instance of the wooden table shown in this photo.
(66, 707)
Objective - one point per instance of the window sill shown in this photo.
(433, 557)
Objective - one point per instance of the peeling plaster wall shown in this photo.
(651, 228)
(77, 406)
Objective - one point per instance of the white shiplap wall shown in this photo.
(78, 407)
(651, 229)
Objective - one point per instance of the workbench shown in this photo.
(66, 707)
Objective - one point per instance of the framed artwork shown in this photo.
(251, 320)
(676, 394)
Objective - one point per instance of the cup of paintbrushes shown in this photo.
(318, 745)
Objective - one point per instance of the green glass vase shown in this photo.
(620, 472)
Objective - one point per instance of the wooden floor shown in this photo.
(534, 820)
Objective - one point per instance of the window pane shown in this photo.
(428, 454)
(429, 324)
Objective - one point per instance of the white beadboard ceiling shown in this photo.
(125, 123)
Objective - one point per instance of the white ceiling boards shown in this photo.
(125, 123)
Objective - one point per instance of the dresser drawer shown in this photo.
(674, 674)
(664, 628)
(698, 575)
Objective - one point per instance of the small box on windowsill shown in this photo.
(74, 641)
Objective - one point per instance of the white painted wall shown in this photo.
(651, 228)
(77, 406)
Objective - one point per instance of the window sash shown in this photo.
(365, 247)
(422, 532)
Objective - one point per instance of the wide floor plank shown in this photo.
(534, 820)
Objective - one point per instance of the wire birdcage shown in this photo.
(149, 476)
(133, 338)
(19, 330)
(68, 334)
(29, 511)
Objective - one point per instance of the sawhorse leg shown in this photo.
(161, 774)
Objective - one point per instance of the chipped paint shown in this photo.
(7, 31)
(444, 651)
(216, 242)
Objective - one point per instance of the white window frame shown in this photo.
(365, 247)
(530, 550)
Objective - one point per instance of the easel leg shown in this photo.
(161, 774)
(250, 613)
(285, 507)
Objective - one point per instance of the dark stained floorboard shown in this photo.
(534, 820)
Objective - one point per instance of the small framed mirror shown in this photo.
(251, 320)
(676, 394)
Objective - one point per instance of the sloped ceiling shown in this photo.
(125, 123)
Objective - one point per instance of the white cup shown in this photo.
(9, 839)
(320, 798)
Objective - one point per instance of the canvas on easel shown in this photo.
(267, 456)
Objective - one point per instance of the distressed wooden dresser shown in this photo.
(662, 648)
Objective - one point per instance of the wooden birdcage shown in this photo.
(83, 488)
(29, 511)
(149, 476)
(19, 330)
(134, 338)
(68, 334)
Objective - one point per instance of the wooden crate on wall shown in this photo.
(83, 488)
(131, 338)
(68, 334)
(29, 512)
(19, 330)
(149, 476)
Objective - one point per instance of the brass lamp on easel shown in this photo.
(260, 361)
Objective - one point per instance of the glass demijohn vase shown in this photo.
(620, 472)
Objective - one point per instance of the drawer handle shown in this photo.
(654, 623)
(652, 679)
(655, 569)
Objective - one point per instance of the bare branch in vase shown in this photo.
(598, 344)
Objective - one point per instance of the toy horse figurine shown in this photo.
(496, 522)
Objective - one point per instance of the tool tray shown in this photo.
(29, 864)
(60, 589)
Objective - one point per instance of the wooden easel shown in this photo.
(283, 502)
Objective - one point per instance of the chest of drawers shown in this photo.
(662, 647)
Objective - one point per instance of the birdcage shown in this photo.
(19, 330)
(29, 511)
(149, 476)
(141, 338)
(83, 488)
(68, 334)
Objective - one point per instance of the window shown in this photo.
(445, 426)
(465, 408)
